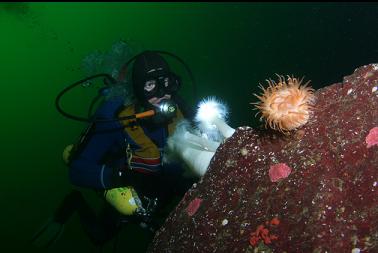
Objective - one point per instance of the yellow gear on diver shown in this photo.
(67, 153)
(124, 199)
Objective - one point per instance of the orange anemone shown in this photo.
(285, 105)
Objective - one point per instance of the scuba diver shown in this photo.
(121, 156)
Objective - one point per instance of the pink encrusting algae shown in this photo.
(279, 171)
(372, 137)
(193, 206)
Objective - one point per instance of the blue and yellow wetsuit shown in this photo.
(105, 150)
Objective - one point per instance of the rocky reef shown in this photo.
(315, 190)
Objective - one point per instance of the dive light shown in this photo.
(166, 107)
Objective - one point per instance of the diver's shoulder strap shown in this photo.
(147, 149)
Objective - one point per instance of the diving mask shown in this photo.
(160, 86)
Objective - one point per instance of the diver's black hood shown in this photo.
(147, 65)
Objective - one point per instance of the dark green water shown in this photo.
(230, 47)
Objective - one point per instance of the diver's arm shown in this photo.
(87, 169)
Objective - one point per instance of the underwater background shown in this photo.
(229, 47)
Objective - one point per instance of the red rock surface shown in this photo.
(328, 203)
